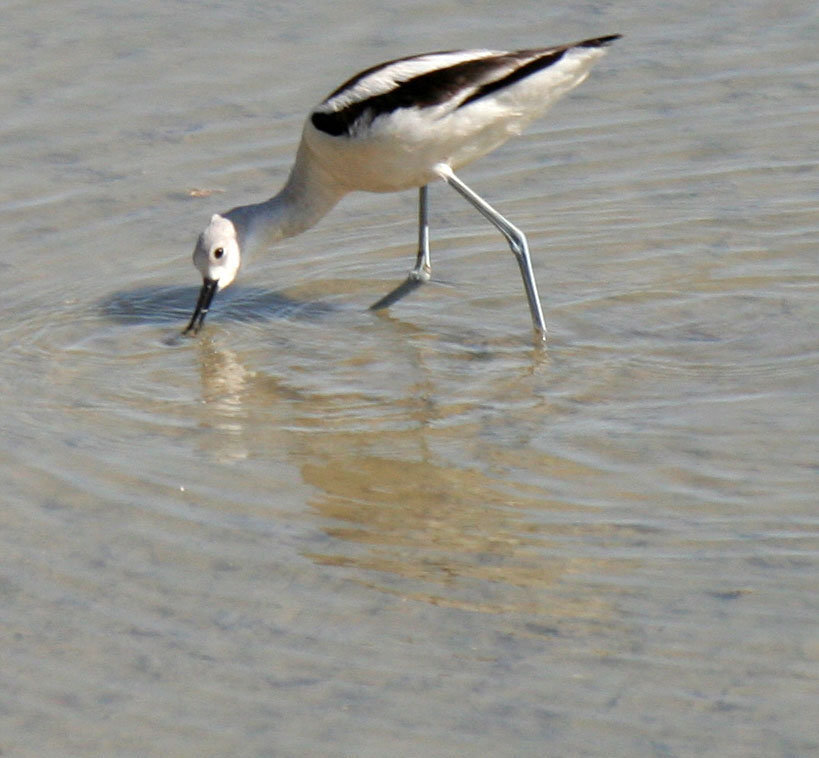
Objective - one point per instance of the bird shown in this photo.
(397, 126)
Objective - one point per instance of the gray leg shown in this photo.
(515, 238)
(423, 268)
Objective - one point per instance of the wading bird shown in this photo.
(397, 126)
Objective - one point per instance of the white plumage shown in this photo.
(396, 126)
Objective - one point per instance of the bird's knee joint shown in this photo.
(518, 249)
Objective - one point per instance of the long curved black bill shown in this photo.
(202, 304)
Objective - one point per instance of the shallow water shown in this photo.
(315, 530)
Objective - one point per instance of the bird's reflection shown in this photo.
(405, 517)
(224, 382)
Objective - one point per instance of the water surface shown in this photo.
(315, 530)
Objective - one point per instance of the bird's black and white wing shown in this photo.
(448, 80)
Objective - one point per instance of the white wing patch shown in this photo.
(387, 77)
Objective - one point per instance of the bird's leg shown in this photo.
(423, 265)
(423, 268)
(515, 238)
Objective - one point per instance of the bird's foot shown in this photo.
(420, 274)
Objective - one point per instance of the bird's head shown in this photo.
(218, 257)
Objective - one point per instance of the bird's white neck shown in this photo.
(309, 194)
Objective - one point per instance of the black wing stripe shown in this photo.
(438, 86)
(544, 61)
(352, 81)
(425, 90)
(598, 41)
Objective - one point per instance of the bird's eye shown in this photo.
(218, 252)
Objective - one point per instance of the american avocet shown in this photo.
(395, 126)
